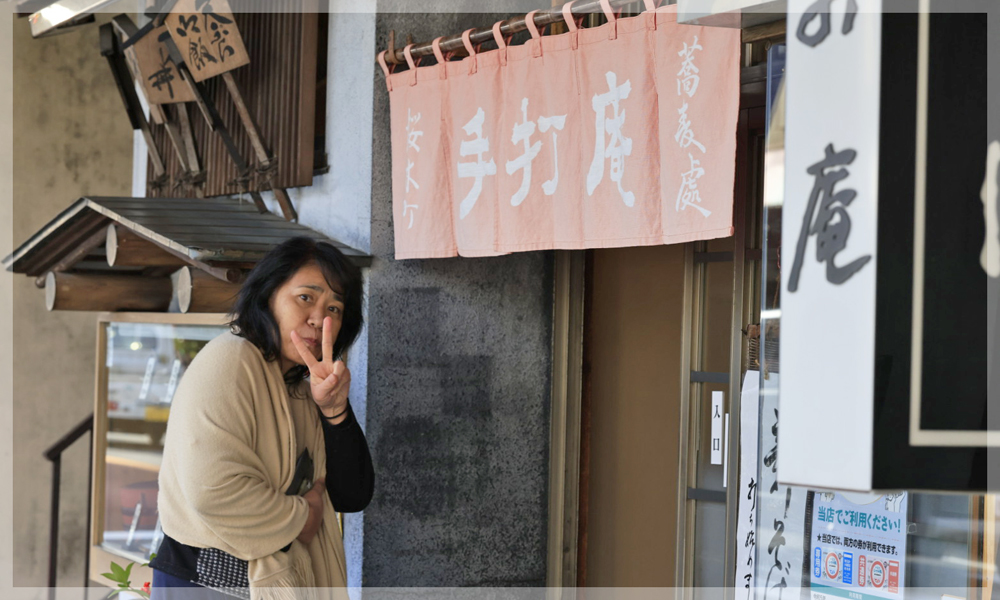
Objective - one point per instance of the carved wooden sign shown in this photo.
(207, 37)
(150, 64)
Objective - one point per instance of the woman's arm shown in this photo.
(350, 477)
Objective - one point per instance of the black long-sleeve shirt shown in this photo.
(350, 483)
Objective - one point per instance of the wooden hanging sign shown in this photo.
(150, 63)
(207, 37)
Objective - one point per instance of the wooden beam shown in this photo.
(174, 134)
(263, 155)
(287, 210)
(75, 256)
(222, 272)
(773, 31)
(200, 292)
(126, 248)
(68, 291)
(188, 137)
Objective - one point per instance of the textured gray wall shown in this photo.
(71, 138)
(458, 394)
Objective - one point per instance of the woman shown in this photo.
(254, 401)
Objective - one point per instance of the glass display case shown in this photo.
(141, 357)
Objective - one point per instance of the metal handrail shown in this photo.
(54, 454)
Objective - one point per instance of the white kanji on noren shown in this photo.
(619, 146)
(522, 134)
(687, 83)
(688, 195)
(685, 135)
(478, 146)
(412, 136)
(555, 123)
(687, 77)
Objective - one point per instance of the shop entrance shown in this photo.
(632, 392)
(665, 327)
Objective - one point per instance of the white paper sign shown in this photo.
(746, 528)
(828, 236)
(782, 512)
(717, 428)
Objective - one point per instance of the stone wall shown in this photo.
(458, 393)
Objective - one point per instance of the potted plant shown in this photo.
(121, 576)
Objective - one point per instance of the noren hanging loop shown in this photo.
(473, 64)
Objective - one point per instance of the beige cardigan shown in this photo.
(232, 439)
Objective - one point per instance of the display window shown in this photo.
(140, 360)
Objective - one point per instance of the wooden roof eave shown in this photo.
(51, 249)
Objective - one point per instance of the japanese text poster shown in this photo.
(781, 514)
(858, 545)
(746, 529)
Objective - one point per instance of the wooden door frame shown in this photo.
(565, 419)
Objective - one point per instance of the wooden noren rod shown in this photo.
(478, 36)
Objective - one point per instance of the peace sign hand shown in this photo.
(329, 380)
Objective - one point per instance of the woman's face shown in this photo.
(300, 305)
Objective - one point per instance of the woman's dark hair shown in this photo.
(251, 314)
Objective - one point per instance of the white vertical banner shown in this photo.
(717, 428)
(781, 510)
(746, 528)
(829, 239)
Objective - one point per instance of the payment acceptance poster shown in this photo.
(858, 546)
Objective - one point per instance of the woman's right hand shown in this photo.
(315, 499)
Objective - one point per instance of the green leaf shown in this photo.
(113, 594)
(109, 576)
(118, 571)
(128, 570)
